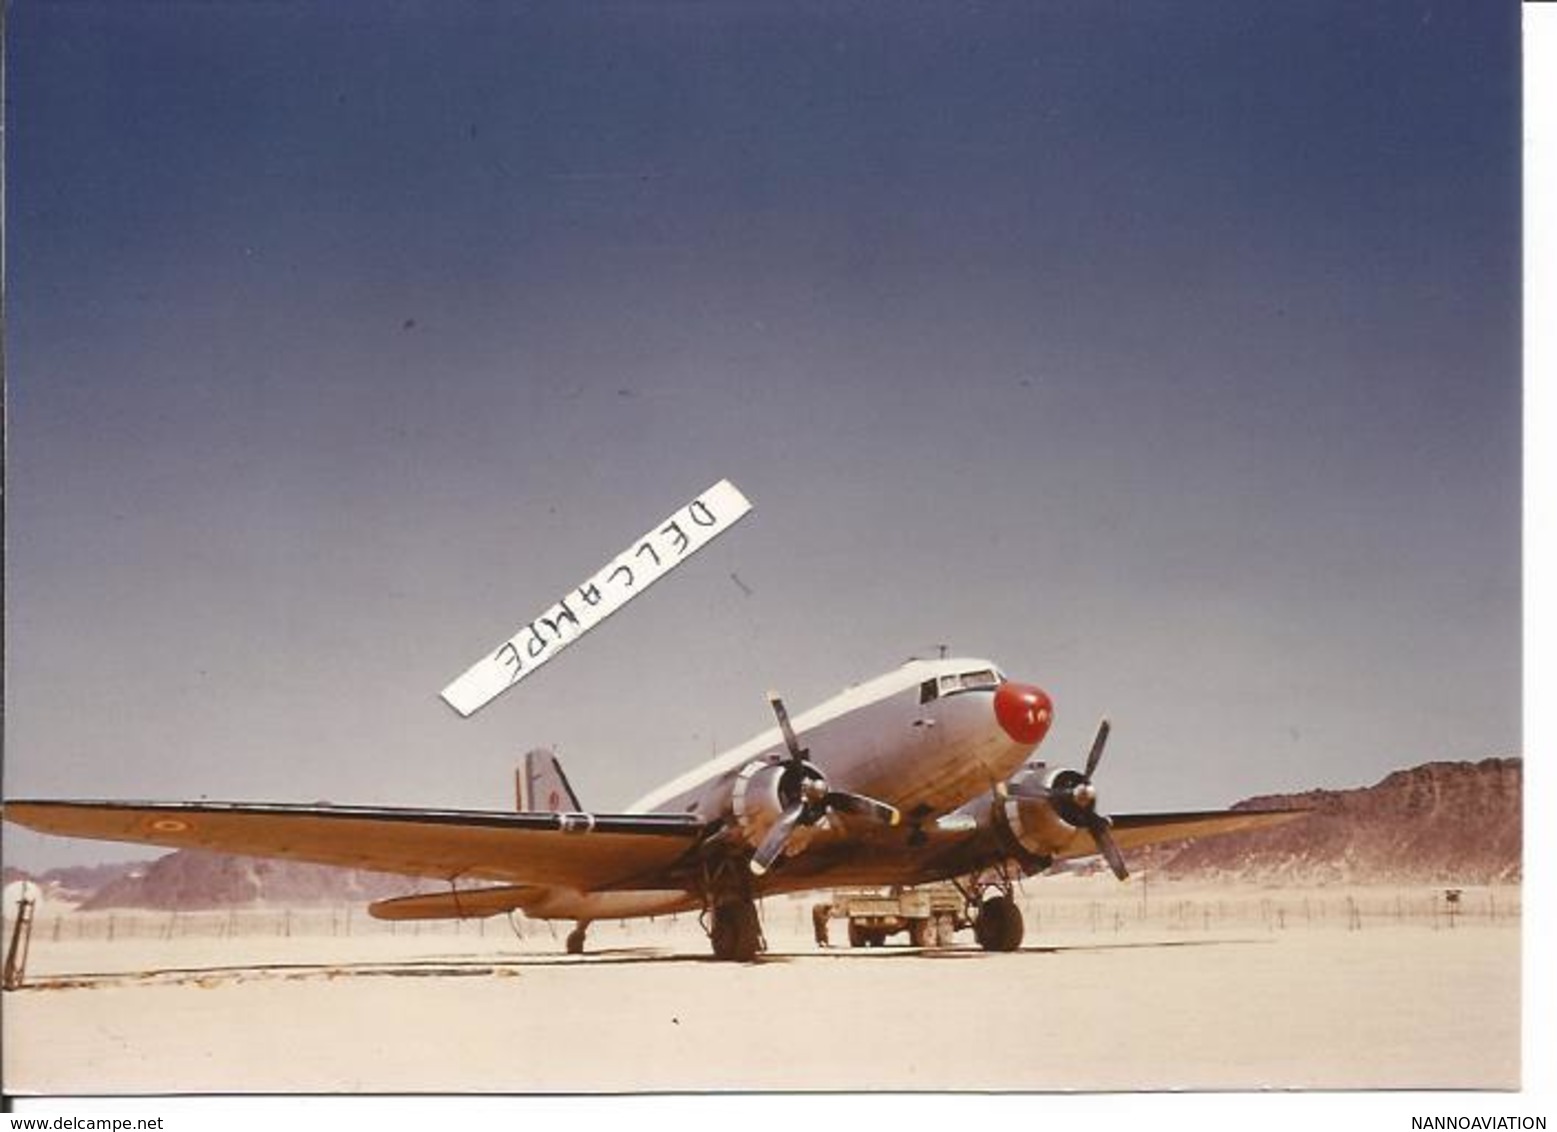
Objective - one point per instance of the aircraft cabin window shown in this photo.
(927, 691)
(983, 678)
(949, 684)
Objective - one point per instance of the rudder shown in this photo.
(541, 787)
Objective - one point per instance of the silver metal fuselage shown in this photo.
(879, 739)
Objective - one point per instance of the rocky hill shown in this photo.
(73, 884)
(1439, 822)
(191, 879)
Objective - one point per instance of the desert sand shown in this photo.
(1118, 987)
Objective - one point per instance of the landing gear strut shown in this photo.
(997, 921)
(735, 931)
(731, 911)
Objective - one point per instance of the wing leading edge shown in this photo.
(1131, 831)
(584, 852)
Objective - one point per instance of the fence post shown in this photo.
(21, 942)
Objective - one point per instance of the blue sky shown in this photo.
(1167, 354)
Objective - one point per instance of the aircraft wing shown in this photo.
(585, 852)
(1134, 830)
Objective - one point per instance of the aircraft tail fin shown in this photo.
(542, 787)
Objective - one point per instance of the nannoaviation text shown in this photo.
(1478, 1122)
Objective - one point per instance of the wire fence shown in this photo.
(252, 923)
(1350, 910)
(1139, 908)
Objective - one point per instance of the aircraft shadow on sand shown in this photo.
(502, 966)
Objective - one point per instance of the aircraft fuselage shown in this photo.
(926, 739)
(890, 738)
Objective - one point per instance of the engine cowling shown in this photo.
(1028, 817)
(780, 804)
(755, 799)
(782, 807)
(1033, 812)
(1038, 813)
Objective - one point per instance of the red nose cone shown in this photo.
(1024, 712)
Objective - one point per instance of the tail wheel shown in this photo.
(999, 924)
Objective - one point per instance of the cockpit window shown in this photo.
(983, 679)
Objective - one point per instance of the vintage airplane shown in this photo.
(923, 774)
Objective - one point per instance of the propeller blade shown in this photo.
(1106, 844)
(861, 806)
(811, 797)
(1095, 756)
(796, 752)
(778, 837)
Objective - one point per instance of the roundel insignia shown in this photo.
(169, 825)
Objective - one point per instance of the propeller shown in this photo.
(805, 790)
(1075, 799)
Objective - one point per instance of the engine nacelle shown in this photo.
(760, 794)
(755, 799)
(1031, 814)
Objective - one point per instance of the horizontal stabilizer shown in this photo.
(466, 904)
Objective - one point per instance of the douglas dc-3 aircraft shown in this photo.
(923, 774)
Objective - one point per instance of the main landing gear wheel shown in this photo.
(736, 933)
(999, 924)
(923, 933)
(576, 940)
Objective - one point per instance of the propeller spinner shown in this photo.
(808, 797)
